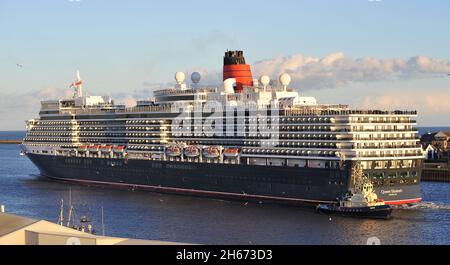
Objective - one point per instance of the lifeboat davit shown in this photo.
(231, 152)
(174, 151)
(212, 151)
(192, 151)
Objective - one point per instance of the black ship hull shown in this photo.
(286, 185)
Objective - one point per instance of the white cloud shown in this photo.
(426, 102)
(337, 70)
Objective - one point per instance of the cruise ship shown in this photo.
(247, 139)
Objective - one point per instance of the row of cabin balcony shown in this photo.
(338, 130)
(392, 164)
(81, 140)
(78, 134)
(81, 123)
(47, 145)
(145, 141)
(318, 137)
(158, 108)
(144, 122)
(46, 123)
(145, 128)
(57, 134)
(293, 144)
(387, 178)
(286, 152)
(342, 110)
(282, 128)
(101, 123)
(51, 128)
(103, 129)
(375, 137)
(56, 139)
(324, 137)
(384, 155)
(116, 129)
(384, 146)
(282, 120)
(306, 120)
(395, 120)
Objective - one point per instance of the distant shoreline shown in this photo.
(10, 141)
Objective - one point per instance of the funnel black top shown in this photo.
(234, 57)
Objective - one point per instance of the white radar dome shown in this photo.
(285, 79)
(180, 77)
(195, 77)
(265, 80)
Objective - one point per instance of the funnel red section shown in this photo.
(235, 67)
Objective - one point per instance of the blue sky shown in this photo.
(120, 45)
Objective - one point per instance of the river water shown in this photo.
(147, 215)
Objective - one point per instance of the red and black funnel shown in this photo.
(234, 66)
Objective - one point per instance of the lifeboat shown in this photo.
(82, 148)
(174, 151)
(93, 148)
(106, 149)
(212, 151)
(192, 151)
(231, 152)
(119, 149)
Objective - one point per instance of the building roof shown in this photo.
(428, 137)
(10, 223)
(446, 133)
(431, 148)
(17, 230)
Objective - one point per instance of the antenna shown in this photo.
(79, 85)
(61, 213)
(71, 208)
(103, 224)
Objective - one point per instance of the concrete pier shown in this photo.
(439, 172)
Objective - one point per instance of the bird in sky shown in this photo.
(19, 65)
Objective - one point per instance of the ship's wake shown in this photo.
(425, 206)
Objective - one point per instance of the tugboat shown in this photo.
(363, 202)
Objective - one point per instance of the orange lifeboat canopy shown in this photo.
(211, 152)
(174, 151)
(192, 151)
(231, 152)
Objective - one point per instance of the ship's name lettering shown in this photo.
(156, 166)
(391, 191)
(184, 167)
